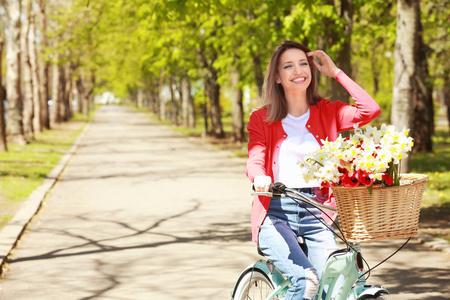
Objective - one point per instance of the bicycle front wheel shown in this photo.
(381, 297)
(254, 285)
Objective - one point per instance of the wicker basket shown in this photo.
(390, 212)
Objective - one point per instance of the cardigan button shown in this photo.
(317, 136)
(309, 126)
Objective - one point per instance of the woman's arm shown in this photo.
(256, 170)
(365, 110)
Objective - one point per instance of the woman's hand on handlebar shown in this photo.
(262, 183)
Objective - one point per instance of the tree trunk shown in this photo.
(68, 110)
(423, 118)
(140, 98)
(174, 102)
(154, 100)
(62, 94)
(325, 42)
(322, 45)
(404, 68)
(213, 91)
(37, 126)
(88, 89)
(44, 93)
(343, 60)
(258, 73)
(44, 67)
(237, 113)
(56, 95)
(181, 114)
(27, 95)
(446, 95)
(13, 76)
(187, 103)
(80, 94)
(205, 113)
(162, 97)
(376, 72)
(3, 144)
(183, 103)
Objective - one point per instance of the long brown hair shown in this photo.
(273, 93)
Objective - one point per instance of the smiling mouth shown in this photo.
(299, 79)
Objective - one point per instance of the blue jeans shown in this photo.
(285, 221)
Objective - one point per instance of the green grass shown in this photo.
(437, 166)
(24, 167)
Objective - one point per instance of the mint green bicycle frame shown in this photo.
(344, 266)
(340, 263)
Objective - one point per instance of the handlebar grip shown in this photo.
(276, 187)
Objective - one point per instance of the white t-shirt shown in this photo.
(297, 145)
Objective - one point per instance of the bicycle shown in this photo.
(262, 280)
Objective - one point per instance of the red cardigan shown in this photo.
(326, 119)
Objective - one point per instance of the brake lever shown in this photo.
(268, 194)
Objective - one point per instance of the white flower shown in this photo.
(373, 133)
(370, 150)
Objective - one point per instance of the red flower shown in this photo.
(349, 181)
(342, 170)
(325, 184)
(364, 178)
(388, 179)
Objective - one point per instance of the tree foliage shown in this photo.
(150, 50)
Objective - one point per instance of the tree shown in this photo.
(43, 66)
(27, 95)
(57, 94)
(373, 47)
(3, 144)
(423, 118)
(197, 25)
(165, 54)
(436, 35)
(212, 88)
(35, 78)
(343, 59)
(13, 75)
(67, 93)
(237, 108)
(408, 78)
(187, 107)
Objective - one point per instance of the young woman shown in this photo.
(292, 122)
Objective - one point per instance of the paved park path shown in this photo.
(141, 212)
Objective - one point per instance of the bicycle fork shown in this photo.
(346, 268)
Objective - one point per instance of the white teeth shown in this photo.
(299, 79)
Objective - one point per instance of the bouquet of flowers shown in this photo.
(368, 157)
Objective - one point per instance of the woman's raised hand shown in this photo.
(326, 65)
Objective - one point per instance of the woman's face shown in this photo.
(294, 72)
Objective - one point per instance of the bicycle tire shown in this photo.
(381, 297)
(254, 285)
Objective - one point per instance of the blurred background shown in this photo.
(199, 65)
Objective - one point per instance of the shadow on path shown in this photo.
(219, 232)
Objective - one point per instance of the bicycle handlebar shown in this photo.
(280, 190)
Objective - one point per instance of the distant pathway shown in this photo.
(144, 213)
